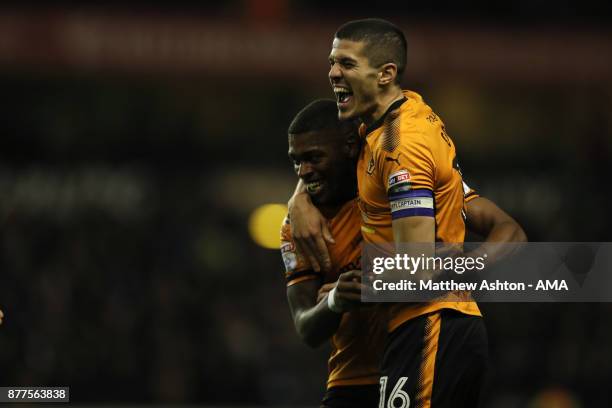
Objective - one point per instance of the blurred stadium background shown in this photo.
(137, 143)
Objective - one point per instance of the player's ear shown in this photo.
(387, 74)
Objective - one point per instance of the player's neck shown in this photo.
(329, 211)
(385, 100)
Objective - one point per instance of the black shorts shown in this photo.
(438, 360)
(351, 396)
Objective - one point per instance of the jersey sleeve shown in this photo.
(408, 174)
(297, 267)
(469, 193)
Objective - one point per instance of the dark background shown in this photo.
(136, 142)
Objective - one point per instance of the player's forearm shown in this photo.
(505, 232)
(485, 218)
(497, 228)
(317, 324)
(414, 238)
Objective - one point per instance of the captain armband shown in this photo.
(412, 203)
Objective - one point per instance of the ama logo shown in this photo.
(551, 285)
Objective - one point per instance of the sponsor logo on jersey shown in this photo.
(399, 177)
(286, 247)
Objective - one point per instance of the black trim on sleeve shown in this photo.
(470, 194)
(300, 274)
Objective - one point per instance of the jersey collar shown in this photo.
(378, 123)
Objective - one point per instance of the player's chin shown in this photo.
(320, 198)
(345, 112)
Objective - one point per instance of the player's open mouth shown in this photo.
(314, 187)
(343, 95)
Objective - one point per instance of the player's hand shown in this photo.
(324, 290)
(445, 250)
(1, 316)
(347, 294)
(310, 231)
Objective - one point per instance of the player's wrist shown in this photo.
(332, 303)
(298, 200)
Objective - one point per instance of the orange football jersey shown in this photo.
(408, 167)
(358, 343)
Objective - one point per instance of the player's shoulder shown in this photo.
(418, 117)
(409, 122)
(346, 215)
(348, 212)
(350, 205)
(420, 126)
(410, 126)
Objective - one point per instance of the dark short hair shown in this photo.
(321, 114)
(384, 42)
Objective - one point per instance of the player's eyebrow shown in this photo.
(342, 60)
(307, 153)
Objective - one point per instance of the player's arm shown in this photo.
(408, 174)
(316, 318)
(414, 229)
(1, 316)
(313, 317)
(486, 219)
(314, 322)
(324, 290)
(310, 231)
(415, 236)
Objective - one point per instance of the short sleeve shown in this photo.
(297, 268)
(469, 193)
(408, 173)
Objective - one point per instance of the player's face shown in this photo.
(353, 80)
(321, 160)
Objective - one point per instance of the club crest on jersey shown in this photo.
(371, 166)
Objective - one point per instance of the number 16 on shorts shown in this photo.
(396, 394)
